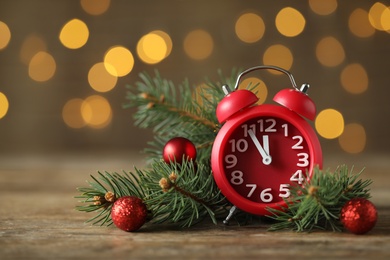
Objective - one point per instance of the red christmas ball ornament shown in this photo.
(177, 148)
(129, 213)
(358, 215)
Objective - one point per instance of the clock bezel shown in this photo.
(217, 155)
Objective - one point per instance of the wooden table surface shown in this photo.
(38, 220)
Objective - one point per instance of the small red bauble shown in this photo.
(358, 215)
(177, 148)
(129, 213)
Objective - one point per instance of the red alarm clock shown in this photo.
(262, 150)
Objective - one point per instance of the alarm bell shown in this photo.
(298, 101)
(234, 102)
(294, 99)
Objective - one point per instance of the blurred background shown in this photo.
(64, 65)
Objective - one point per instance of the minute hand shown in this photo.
(263, 152)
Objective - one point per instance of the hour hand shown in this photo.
(264, 152)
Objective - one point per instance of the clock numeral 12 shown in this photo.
(264, 125)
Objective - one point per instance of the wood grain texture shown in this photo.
(38, 221)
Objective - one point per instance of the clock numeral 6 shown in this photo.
(266, 195)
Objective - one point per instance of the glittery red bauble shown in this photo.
(129, 213)
(177, 148)
(358, 215)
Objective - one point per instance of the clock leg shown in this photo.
(232, 211)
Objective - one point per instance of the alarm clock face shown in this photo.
(261, 157)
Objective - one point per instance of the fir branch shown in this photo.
(99, 197)
(317, 204)
(172, 111)
(182, 194)
(163, 106)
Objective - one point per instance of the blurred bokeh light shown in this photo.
(250, 27)
(5, 35)
(118, 61)
(153, 47)
(359, 23)
(329, 123)
(74, 34)
(3, 105)
(354, 78)
(353, 139)
(330, 52)
(198, 44)
(100, 79)
(278, 55)
(95, 7)
(31, 46)
(290, 22)
(323, 7)
(96, 111)
(64, 65)
(42, 66)
(71, 113)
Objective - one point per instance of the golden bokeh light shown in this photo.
(31, 46)
(375, 15)
(96, 111)
(329, 123)
(95, 7)
(118, 61)
(323, 7)
(354, 78)
(330, 52)
(359, 24)
(153, 47)
(42, 67)
(385, 19)
(99, 79)
(5, 35)
(74, 34)
(198, 44)
(167, 39)
(257, 86)
(4, 105)
(249, 28)
(278, 55)
(290, 22)
(353, 139)
(71, 113)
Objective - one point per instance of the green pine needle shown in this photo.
(318, 202)
(183, 201)
(181, 110)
